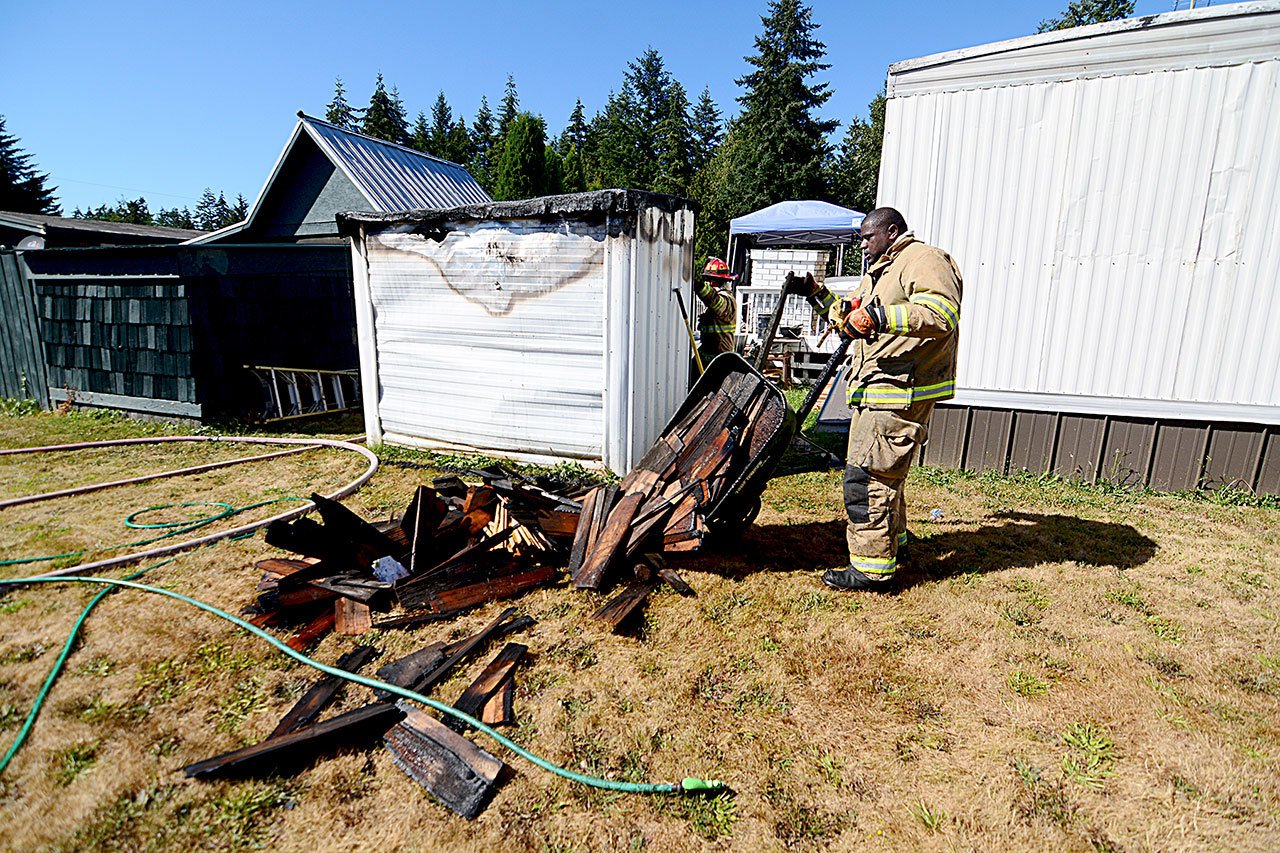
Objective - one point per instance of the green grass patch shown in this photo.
(1026, 684)
(69, 763)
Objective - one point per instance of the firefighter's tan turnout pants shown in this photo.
(882, 444)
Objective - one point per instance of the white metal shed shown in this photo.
(543, 329)
(1111, 195)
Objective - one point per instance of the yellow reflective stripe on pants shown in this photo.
(874, 565)
(941, 304)
(902, 538)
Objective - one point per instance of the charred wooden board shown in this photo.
(490, 680)
(611, 541)
(404, 671)
(356, 587)
(284, 568)
(303, 596)
(312, 631)
(500, 710)
(345, 523)
(615, 612)
(676, 582)
(455, 771)
(288, 752)
(438, 674)
(496, 589)
(351, 618)
(322, 692)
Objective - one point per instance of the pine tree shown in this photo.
(441, 128)
(459, 142)
(385, 118)
(22, 188)
(780, 148)
(855, 172)
(521, 168)
(674, 145)
(206, 213)
(131, 211)
(240, 210)
(708, 131)
(509, 107)
(1079, 13)
(338, 111)
(575, 133)
(420, 136)
(176, 217)
(480, 163)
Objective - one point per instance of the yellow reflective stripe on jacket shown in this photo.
(824, 299)
(941, 304)
(883, 396)
(874, 565)
(896, 319)
(729, 329)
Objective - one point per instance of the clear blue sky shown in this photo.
(164, 99)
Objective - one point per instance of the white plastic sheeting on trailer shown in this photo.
(544, 329)
(1111, 194)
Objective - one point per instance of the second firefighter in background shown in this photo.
(719, 318)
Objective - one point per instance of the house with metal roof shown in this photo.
(325, 169)
(39, 231)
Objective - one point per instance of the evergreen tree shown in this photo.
(553, 172)
(177, 217)
(480, 163)
(131, 211)
(573, 175)
(781, 147)
(338, 111)
(208, 215)
(521, 167)
(855, 172)
(509, 107)
(674, 145)
(613, 154)
(22, 188)
(385, 118)
(441, 128)
(1081, 12)
(420, 137)
(240, 210)
(459, 142)
(708, 131)
(575, 133)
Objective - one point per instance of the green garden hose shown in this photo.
(688, 785)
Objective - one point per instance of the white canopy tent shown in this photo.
(794, 223)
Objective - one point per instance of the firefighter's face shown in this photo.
(876, 239)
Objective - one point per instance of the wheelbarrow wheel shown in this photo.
(735, 518)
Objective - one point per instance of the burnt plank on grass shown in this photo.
(287, 752)
(675, 581)
(353, 528)
(611, 540)
(283, 568)
(356, 587)
(404, 671)
(499, 710)
(477, 695)
(322, 692)
(455, 771)
(310, 632)
(438, 674)
(586, 524)
(464, 597)
(623, 604)
(351, 618)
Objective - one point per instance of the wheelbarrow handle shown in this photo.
(828, 370)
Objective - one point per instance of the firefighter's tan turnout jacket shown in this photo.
(914, 358)
(718, 322)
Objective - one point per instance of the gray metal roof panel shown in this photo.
(392, 176)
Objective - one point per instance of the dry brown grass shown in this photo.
(1067, 668)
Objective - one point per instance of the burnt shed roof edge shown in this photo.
(596, 202)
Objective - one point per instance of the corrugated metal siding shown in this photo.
(555, 339)
(1229, 34)
(492, 337)
(1116, 233)
(394, 177)
(22, 363)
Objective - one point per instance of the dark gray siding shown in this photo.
(22, 370)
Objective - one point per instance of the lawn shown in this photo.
(1065, 667)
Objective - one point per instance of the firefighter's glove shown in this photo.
(805, 287)
(867, 321)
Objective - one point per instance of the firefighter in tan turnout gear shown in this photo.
(905, 316)
(718, 322)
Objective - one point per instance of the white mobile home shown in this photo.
(543, 329)
(1111, 194)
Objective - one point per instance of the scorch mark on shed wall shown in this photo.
(496, 268)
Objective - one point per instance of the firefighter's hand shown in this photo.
(805, 287)
(861, 323)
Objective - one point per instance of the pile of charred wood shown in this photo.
(458, 546)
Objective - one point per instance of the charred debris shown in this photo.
(459, 545)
